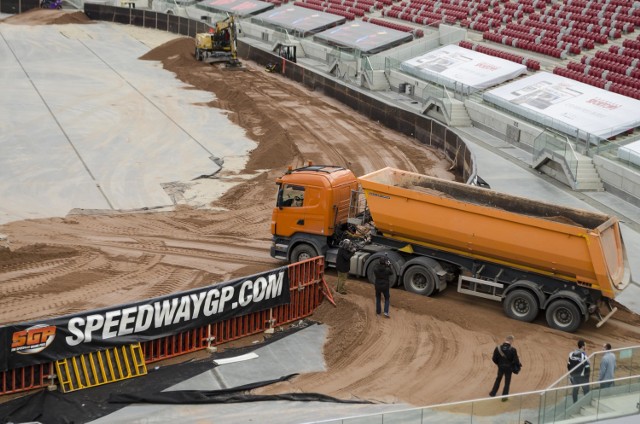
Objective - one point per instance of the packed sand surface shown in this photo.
(432, 350)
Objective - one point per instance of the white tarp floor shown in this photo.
(300, 352)
(107, 131)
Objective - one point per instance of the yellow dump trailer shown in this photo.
(571, 244)
(532, 256)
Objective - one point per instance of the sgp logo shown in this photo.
(34, 339)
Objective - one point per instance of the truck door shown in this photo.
(298, 210)
(315, 214)
(288, 216)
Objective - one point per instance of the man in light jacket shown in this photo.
(607, 367)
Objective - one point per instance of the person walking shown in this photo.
(506, 358)
(343, 264)
(607, 367)
(579, 370)
(382, 274)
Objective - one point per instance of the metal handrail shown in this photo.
(541, 393)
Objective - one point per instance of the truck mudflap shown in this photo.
(601, 319)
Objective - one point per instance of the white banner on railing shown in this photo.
(568, 105)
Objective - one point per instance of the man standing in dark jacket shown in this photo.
(382, 274)
(580, 370)
(505, 357)
(343, 264)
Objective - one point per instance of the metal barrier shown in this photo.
(26, 378)
(102, 367)
(307, 289)
(175, 345)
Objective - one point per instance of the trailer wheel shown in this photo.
(302, 252)
(521, 305)
(420, 280)
(564, 315)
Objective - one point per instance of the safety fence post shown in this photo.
(210, 339)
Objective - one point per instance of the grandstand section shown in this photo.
(591, 46)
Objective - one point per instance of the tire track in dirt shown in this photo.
(32, 278)
(26, 268)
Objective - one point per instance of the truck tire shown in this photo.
(397, 261)
(302, 252)
(420, 279)
(521, 305)
(564, 315)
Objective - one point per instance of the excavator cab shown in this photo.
(219, 44)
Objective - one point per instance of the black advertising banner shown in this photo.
(71, 335)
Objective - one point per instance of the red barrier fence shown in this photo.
(306, 284)
(27, 378)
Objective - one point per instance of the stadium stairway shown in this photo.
(586, 175)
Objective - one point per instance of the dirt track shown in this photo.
(432, 350)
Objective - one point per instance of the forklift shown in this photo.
(286, 52)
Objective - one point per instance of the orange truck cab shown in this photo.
(311, 211)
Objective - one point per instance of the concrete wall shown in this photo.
(502, 125)
(618, 179)
(18, 6)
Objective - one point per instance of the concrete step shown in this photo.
(587, 177)
(589, 186)
(459, 115)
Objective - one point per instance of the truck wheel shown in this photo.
(420, 280)
(521, 305)
(397, 262)
(564, 315)
(302, 252)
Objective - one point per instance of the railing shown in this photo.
(345, 64)
(540, 407)
(560, 149)
(367, 69)
(553, 405)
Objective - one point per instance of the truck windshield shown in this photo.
(290, 195)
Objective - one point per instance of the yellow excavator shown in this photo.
(219, 45)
